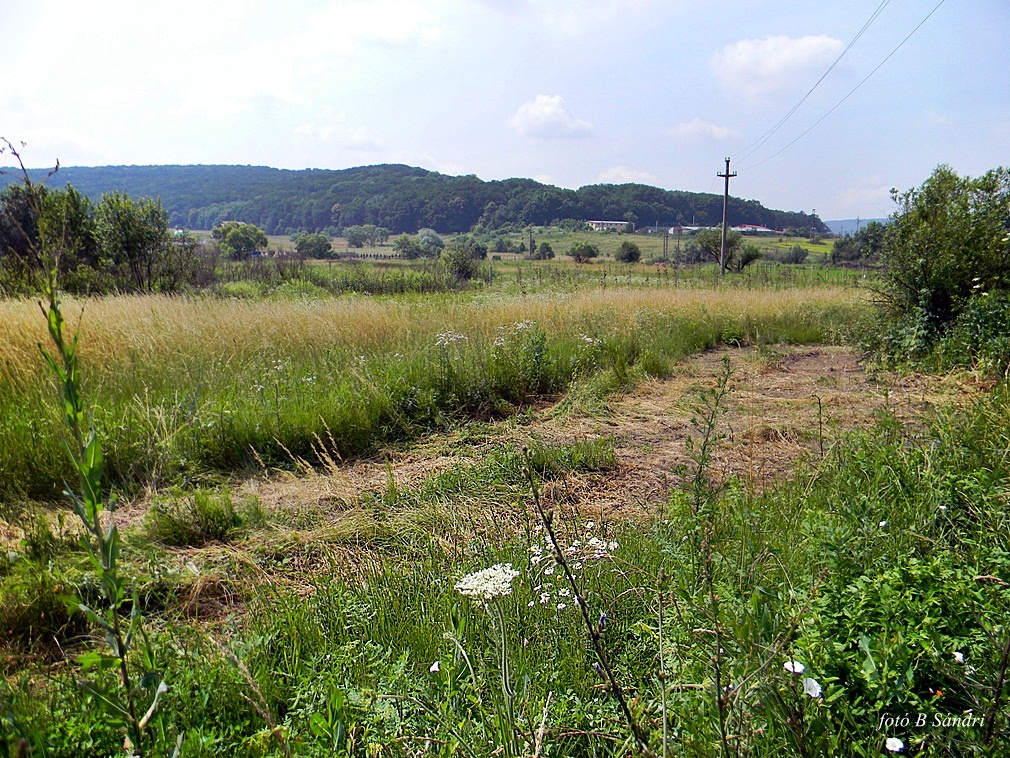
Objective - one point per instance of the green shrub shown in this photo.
(947, 242)
(980, 336)
(193, 520)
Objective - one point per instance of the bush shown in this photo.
(629, 252)
(583, 251)
(193, 520)
(948, 241)
(459, 263)
(980, 336)
(795, 254)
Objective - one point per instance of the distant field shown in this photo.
(608, 243)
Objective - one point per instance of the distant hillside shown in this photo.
(851, 225)
(400, 198)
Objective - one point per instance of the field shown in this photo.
(566, 510)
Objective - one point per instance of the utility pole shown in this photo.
(725, 205)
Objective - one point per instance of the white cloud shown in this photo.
(393, 22)
(625, 175)
(757, 68)
(869, 192)
(331, 127)
(569, 18)
(696, 130)
(547, 117)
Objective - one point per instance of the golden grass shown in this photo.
(134, 329)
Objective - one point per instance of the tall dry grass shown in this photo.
(140, 328)
(183, 388)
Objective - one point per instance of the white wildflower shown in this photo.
(882, 524)
(447, 338)
(794, 667)
(561, 606)
(488, 583)
(811, 687)
(894, 745)
(434, 669)
(959, 656)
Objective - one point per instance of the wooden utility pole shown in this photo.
(725, 206)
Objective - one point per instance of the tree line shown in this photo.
(117, 244)
(402, 198)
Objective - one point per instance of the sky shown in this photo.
(568, 92)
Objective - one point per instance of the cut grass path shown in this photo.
(772, 426)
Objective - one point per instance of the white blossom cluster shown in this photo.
(553, 588)
(503, 333)
(488, 583)
(444, 339)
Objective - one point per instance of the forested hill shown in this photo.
(400, 198)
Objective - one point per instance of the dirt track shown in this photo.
(772, 422)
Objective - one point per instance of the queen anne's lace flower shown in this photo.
(488, 583)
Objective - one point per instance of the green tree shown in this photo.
(544, 252)
(69, 218)
(745, 255)
(458, 262)
(356, 236)
(239, 240)
(313, 246)
(865, 244)
(709, 244)
(583, 251)
(430, 242)
(795, 254)
(629, 252)
(133, 236)
(407, 247)
(472, 246)
(947, 242)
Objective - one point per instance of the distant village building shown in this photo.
(606, 226)
(754, 229)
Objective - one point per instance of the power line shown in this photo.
(853, 90)
(756, 145)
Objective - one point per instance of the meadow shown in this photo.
(347, 531)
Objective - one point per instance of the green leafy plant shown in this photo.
(131, 698)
